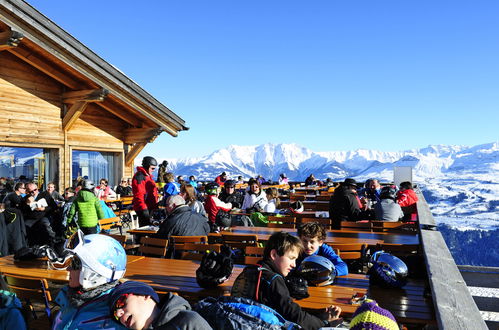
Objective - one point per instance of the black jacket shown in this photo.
(275, 294)
(175, 314)
(183, 222)
(344, 206)
(13, 200)
(236, 199)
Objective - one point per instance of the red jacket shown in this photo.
(406, 197)
(219, 180)
(212, 205)
(145, 192)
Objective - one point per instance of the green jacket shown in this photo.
(88, 207)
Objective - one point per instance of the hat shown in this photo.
(175, 200)
(350, 182)
(132, 287)
(223, 173)
(370, 316)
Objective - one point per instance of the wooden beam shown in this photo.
(10, 39)
(42, 65)
(87, 95)
(73, 113)
(126, 117)
(136, 135)
(133, 152)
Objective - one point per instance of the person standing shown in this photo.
(145, 192)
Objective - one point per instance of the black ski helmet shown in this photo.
(387, 270)
(388, 192)
(211, 188)
(149, 161)
(215, 268)
(317, 270)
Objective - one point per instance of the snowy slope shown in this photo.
(460, 183)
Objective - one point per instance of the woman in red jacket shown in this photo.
(407, 199)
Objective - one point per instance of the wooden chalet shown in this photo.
(64, 111)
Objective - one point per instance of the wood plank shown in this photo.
(424, 214)
(455, 308)
(89, 95)
(73, 114)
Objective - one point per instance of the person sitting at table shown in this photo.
(274, 201)
(220, 180)
(171, 187)
(97, 263)
(344, 204)
(229, 194)
(56, 196)
(255, 198)
(310, 181)
(407, 199)
(279, 258)
(212, 204)
(103, 191)
(14, 198)
(312, 236)
(181, 221)
(123, 188)
(88, 210)
(388, 209)
(137, 306)
(188, 193)
(283, 179)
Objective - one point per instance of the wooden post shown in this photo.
(133, 152)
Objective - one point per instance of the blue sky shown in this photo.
(327, 75)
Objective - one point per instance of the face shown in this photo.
(22, 189)
(286, 262)
(50, 188)
(103, 183)
(129, 181)
(374, 185)
(310, 245)
(255, 188)
(230, 189)
(136, 312)
(151, 169)
(32, 189)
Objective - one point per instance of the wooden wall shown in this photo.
(31, 111)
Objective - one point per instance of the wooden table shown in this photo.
(337, 235)
(172, 275)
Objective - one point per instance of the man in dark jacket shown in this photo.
(14, 198)
(38, 225)
(181, 221)
(137, 306)
(145, 192)
(345, 205)
(230, 195)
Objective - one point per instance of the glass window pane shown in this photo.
(25, 163)
(93, 165)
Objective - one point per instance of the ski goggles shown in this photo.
(120, 304)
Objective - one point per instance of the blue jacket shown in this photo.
(326, 251)
(93, 314)
(10, 311)
(171, 188)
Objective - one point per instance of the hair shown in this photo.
(312, 229)
(274, 194)
(53, 183)
(105, 180)
(180, 178)
(168, 177)
(406, 185)
(70, 190)
(282, 242)
(18, 185)
(192, 178)
(189, 191)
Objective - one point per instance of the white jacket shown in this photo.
(252, 200)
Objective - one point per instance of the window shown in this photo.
(94, 165)
(34, 164)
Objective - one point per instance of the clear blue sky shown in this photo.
(328, 75)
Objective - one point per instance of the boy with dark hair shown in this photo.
(279, 258)
(312, 236)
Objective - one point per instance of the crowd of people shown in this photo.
(94, 296)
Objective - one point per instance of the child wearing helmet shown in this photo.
(388, 209)
(279, 258)
(212, 204)
(87, 209)
(312, 236)
(97, 263)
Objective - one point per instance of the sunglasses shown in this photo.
(120, 304)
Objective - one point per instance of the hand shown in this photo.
(333, 313)
(42, 208)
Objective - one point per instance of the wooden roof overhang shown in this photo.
(87, 78)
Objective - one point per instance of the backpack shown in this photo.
(215, 268)
(231, 313)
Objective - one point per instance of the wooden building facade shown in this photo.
(64, 111)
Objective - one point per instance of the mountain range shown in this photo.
(460, 183)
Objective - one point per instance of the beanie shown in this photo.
(370, 316)
(132, 287)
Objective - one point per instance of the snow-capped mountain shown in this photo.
(459, 182)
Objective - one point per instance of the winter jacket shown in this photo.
(344, 205)
(124, 191)
(212, 205)
(270, 207)
(388, 210)
(176, 314)
(13, 200)
(10, 311)
(93, 314)
(32, 216)
(406, 197)
(145, 192)
(275, 294)
(254, 201)
(88, 208)
(198, 207)
(220, 181)
(236, 198)
(326, 251)
(183, 222)
(104, 193)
